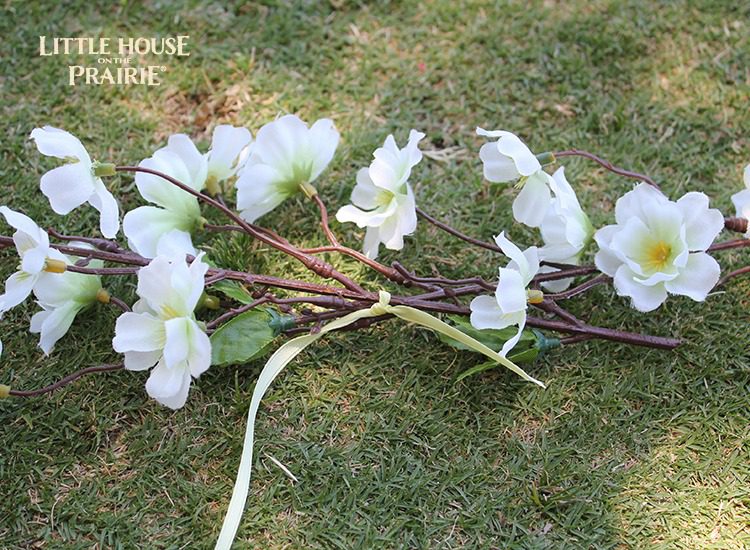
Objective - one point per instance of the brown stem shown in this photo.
(315, 265)
(65, 381)
(606, 164)
(324, 220)
(235, 312)
(580, 289)
(456, 233)
(727, 245)
(119, 304)
(736, 224)
(732, 274)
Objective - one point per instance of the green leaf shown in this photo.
(244, 338)
(234, 290)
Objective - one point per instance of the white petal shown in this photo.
(25, 225)
(532, 203)
(154, 282)
(138, 332)
(141, 360)
(511, 291)
(169, 385)
(697, 278)
(258, 191)
(747, 176)
(365, 194)
(371, 244)
(227, 145)
(146, 225)
(200, 351)
(606, 259)
(33, 260)
(497, 167)
(175, 244)
(631, 203)
(323, 139)
(645, 298)
(54, 142)
(510, 344)
(159, 191)
(486, 313)
(17, 288)
(67, 186)
(373, 218)
(702, 224)
(513, 252)
(56, 324)
(196, 163)
(105, 203)
(741, 203)
(279, 142)
(526, 162)
(178, 335)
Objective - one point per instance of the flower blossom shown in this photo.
(32, 244)
(175, 210)
(566, 229)
(286, 156)
(230, 148)
(162, 329)
(62, 296)
(741, 201)
(178, 210)
(69, 186)
(383, 199)
(506, 159)
(658, 247)
(508, 306)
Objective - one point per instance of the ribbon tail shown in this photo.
(275, 364)
(425, 319)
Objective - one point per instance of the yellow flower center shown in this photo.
(657, 255)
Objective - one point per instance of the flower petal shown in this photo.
(323, 139)
(146, 225)
(169, 385)
(105, 203)
(67, 186)
(227, 146)
(54, 142)
(497, 167)
(195, 163)
(697, 278)
(258, 192)
(141, 360)
(644, 298)
(138, 332)
(17, 288)
(56, 324)
(511, 291)
(702, 224)
(533, 201)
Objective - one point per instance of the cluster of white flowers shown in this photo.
(656, 247)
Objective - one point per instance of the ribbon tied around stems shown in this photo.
(288, 351)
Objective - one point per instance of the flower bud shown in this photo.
(54, 266)
(4, 391)
(308, 189)
(102, 296)
(534, 296)
(100, 169)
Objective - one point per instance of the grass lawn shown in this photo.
(626, 448)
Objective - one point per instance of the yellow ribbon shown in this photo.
(294, 347)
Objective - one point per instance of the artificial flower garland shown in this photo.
(655, 248)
